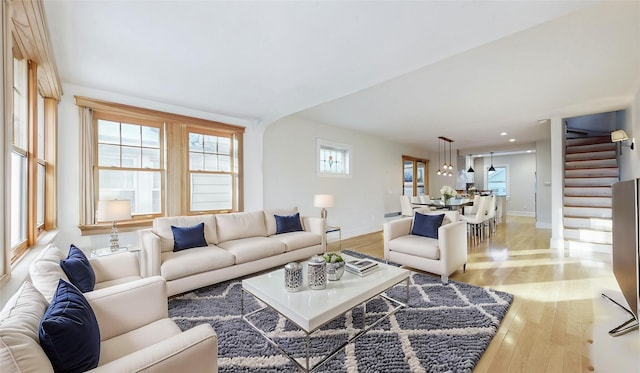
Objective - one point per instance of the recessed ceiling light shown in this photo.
(512, 140)
(503, 134)
(542, 121)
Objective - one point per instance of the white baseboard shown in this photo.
(543, 225)
(522, 213)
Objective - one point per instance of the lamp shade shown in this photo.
(114, 210)
(323, 200)
(619, 135)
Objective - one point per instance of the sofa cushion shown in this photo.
(19, 322)
(78, 269)
(270, 219)
(69, 332)
(188, 237)
(419, 246)
(253, 248)
(23, 312)
(426, 225)
(162, 228)
(289, 223)
(298, 240)
(240, 225)
(45, 272)
(180, 264)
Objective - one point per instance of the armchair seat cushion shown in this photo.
(298, 240)
(148, 335)
(253, 248)
(419, 246)
(195, 260)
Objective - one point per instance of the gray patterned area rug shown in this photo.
(446, 329)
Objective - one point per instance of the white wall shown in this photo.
(521, 180)
(361, 201)
(629, 161)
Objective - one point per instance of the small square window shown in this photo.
(334, 159)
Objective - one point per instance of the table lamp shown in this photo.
(114, 210)
(323, 201)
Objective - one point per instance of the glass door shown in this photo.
(415, 179)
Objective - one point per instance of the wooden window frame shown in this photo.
(175, 192)
(97, 168)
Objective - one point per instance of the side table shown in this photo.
(333, 229)
(107, 251)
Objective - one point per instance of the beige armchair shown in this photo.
(441, 256)
(136, 333)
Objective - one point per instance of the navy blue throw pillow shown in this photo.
(426, 225)
(188, 237)
(79, 270)
(68, 332)
(286, 224)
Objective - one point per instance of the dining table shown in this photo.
(451, 204)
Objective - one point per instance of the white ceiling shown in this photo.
(407, 71)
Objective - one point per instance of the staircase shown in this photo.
(591, 167)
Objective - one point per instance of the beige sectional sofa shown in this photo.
(237, 244)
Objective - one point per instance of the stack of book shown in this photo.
(361, 267)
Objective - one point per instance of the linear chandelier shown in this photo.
(446, 167)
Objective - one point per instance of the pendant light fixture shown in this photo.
(470, 164)
(492, 169)
(450, 161)
(438, 172)
(446, 167)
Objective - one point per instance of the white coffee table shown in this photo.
(311, 309)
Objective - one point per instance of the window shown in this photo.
(19, 153)
(497, 181)
(165, 164)
(210, 171)
(29, 188)
(129, 159)
(333, 159)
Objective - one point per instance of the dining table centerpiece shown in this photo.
(447, 193)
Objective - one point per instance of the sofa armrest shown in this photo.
(194, 351)
(316, 225)
(113, 267)
(128, 306)
(452, 239)
(395, 229)
(149, 244)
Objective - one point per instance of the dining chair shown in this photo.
(490, 215)
(474, 208)
(426, 199)
(406, 206)
(475, 223)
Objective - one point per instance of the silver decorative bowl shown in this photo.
(335, 271)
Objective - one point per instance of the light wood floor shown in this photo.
(549, 327)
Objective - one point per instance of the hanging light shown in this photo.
(444, 155)
(470, 164)
(450, 160)
(438, 172)
(492, 169)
